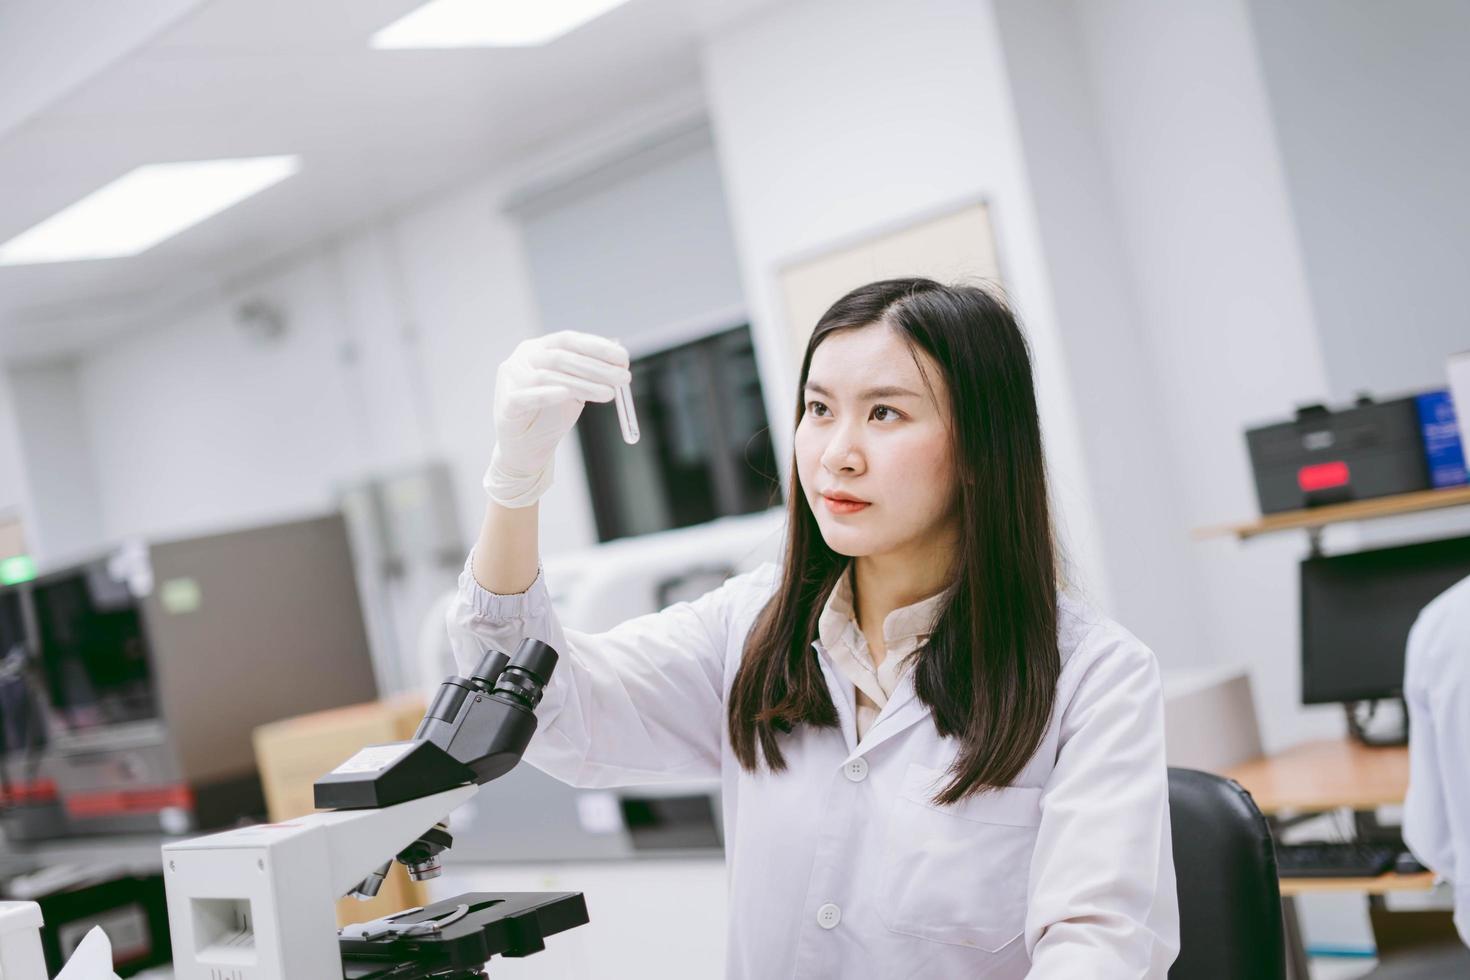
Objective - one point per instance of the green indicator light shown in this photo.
(21, 568)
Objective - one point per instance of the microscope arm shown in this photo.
(261, 900)
(357, 841)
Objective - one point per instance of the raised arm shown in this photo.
(540, 391)
(639, 703)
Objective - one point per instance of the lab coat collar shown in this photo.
(902, 712)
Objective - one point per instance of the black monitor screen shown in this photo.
(12, 627)
(92, 649)
(1357, 610)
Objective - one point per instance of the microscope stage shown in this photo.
(491, 924)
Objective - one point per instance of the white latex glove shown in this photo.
(539, 393)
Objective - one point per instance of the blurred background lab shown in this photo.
(259, 259)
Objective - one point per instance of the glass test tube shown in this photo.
(627, 418)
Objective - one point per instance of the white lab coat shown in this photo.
(841, 866)
(1437, 689)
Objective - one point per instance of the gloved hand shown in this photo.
(539, 393)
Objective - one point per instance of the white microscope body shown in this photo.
(259, 903)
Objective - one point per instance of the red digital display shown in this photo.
(1322, 476)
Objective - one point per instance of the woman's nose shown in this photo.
(842, 454)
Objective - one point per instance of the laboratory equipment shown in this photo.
(259, 900)
(159, 659)
(1322, 456)
(73, 898)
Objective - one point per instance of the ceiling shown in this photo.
(231, 78)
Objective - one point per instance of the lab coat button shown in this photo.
(828, 916)
(856, 770)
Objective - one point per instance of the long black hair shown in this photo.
(989, 670)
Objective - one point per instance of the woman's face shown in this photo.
(872, 429)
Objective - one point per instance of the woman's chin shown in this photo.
(845, 543)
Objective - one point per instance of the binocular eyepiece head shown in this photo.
(524, 676)
(521, 677)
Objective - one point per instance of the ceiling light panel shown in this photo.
(490, 23)
(144, 207)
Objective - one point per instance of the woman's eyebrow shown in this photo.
(887, 391)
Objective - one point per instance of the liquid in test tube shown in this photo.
(627, 418)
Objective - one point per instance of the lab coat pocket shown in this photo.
(958, 874)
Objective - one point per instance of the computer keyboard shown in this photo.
(1341, 860)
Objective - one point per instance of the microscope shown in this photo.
(258, 903)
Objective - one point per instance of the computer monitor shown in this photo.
(92, 648)
(1357, 610)
(22, 725)
(12, 623)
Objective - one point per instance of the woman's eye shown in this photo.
(812, 407)
(885, 408)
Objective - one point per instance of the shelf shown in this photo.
(1357, 510)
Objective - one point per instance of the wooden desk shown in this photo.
(1324, 775)
(1391, 881)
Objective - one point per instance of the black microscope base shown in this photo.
(493, 924)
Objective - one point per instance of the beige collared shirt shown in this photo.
(904, 629)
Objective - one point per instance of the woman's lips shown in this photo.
(843, 506)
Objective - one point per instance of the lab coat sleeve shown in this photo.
(1426, 806)
(640, 703)
(1437, 690)
(1103, 902)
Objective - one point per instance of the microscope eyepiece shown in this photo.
(488, 669)
(527, 673)
(446, 703)
(535, 658)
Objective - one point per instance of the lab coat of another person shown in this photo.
(837, 696)
(1437, 689)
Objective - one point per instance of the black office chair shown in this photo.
(1229, 898)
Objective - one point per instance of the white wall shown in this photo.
(1222, 300)
(13, 496)
(195, 426)
(1125, 436)
(1372, 108)
(833, 119)
(61, 479)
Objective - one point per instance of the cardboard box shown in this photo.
(291, 755)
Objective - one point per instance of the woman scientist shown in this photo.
(934, 763)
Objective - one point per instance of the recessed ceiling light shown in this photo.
(143, 207)
(489, 24)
